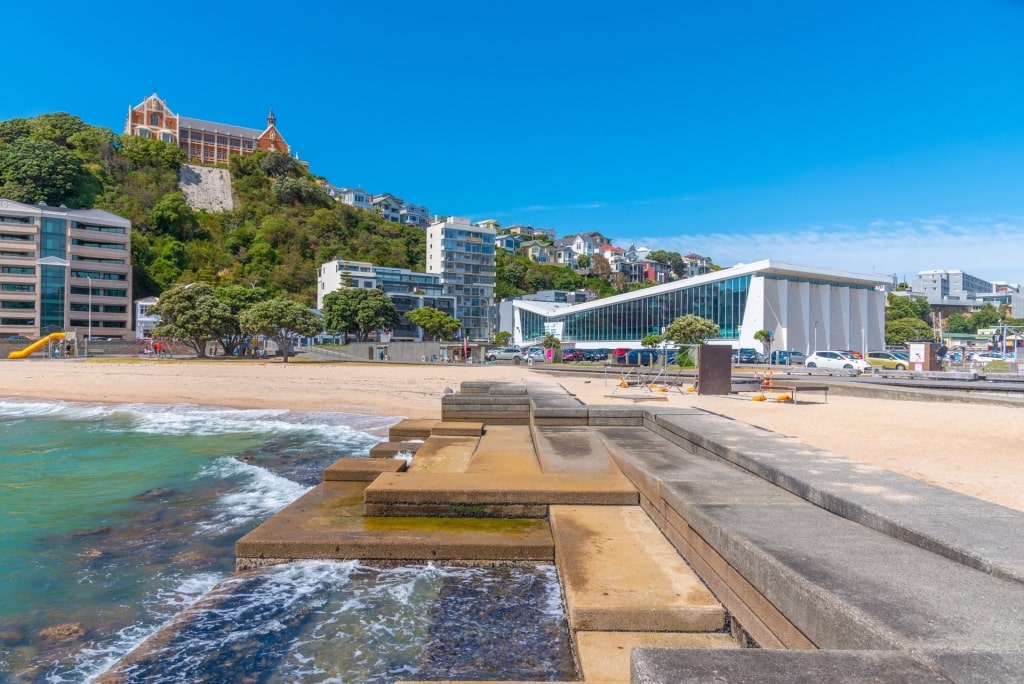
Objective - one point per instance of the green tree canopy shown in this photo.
(435, 323)
(958, 323)
(986, 317)
(651, 340)
(690, 329)
(193, 314)
(903, 330)
(33, 171)
(281, 320)
(502, 338)
(238, 298)
(359, 312)
(764, 336)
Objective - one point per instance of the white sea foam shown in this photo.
(260, 494)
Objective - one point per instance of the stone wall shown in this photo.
(206, 188)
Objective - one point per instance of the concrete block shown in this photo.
(361, 469)
(450, 428)
(645, 586)
(604, 656)
(392, 449)
(758, 666)
(411, 429)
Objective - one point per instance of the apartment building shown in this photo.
(407, 289)
(64, 270)
(205, 142)
(463, 255)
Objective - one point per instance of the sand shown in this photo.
(970, 448)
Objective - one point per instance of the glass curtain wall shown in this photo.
(53, 279)
(722, 302)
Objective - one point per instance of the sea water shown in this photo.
(117, 520)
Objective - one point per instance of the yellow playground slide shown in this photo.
(35, 346)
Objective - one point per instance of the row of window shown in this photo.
(99, 245)
(97, 260)
(22, 255)
(29, 237)
(100, 308)
(722, 302)
(23, 220)
(17, 321)
(78, 225)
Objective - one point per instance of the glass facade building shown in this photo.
(805, 308)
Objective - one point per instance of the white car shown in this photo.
(836, 360)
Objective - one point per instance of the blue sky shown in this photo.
(870, 136)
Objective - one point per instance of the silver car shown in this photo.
(514, 354)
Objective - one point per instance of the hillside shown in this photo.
(282, 226)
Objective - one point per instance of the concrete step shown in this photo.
(572, 450)
(392, 449)
(604, 657)
(619, 573)
(505, 449)
(328, 522)
(444, 455)
(493, 494)
(411, 429)
(361, 469)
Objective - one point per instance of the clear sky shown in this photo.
(875, 136)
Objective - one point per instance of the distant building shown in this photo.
(64, 270)
(407, 289)
(205, 142)
(388, 206)
(940, 286)
(463, 255)
(414, 215)
(354, 197)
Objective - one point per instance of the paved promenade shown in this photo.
(682, 537)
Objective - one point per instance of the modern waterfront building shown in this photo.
(805, 308)
(64, 269)
(463, 255)
(942, 286)
(407, 289)
(205, 142)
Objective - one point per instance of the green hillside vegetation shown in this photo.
(284, 225)
(283, 228)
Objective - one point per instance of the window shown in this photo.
(99, 245)
(27, 220)
(154, 120)
(17, 287)
(30, 306)
(17, 321)
(18, 270)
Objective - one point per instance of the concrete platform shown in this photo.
(604, 657)
(505, 449)
(619, 573)
(450, 428)
(497, 494)
(411, 429)
(392, 449)
(756, 666)
(329, 522)
(361, 469)
(444, 455)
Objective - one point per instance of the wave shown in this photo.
(262, 494)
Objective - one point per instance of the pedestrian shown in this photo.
(158, 347)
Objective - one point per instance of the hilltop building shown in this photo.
(805, 308)
(205, 142)
(64, 269)
(463, 255)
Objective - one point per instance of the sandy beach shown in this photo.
(971, 448)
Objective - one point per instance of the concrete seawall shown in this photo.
(837, 571)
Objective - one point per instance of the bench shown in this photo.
(793, 389)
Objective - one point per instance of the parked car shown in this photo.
(788, 356)
(514, 354)
(572, 355)
(744, 355)
(854, 354)
(888, 360)
(836, 360)
(985, 357)
(537, 354)
(595, 354)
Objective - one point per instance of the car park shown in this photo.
(514, 354)
(788, 357)
(836, 360)
(889, 360)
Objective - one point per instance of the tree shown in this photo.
(238, 299)
(652, 340)
(958, 323)
(33, 171)
(764, 336)
(193, 314)
(673, 261)
(359, 312)
(436, 324)
(600, 267)
(281, 320)
(690, 329)
(502, 338)
(902, 330)
(985, 317)
(583, 262)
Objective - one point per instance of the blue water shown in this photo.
(117, 520)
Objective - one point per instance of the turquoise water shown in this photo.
(117, 520)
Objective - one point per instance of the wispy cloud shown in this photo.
(988, 248)
(562, 207)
